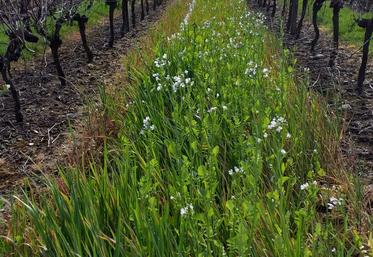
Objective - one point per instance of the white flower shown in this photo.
(225, 107)
(183, 211)
(188, 209)
(265, 72)
(333, 250)
(333, 202)
(283, 151)
(212, 109)
(288, 135)
(277, 123)
(265, 135)
(146, 125)
(304, 186)
(235, 170)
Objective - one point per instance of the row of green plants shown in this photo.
(220, 151)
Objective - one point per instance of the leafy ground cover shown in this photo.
(219, 151)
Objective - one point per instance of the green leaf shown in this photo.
(201, 171)
(321, 172)
(210, 212)
(194, 146)
(215, 151)
(230, 205)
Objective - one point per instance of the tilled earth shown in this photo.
(340, 81)
(36, 146)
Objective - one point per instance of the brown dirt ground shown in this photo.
(54, 115)
(340, 81)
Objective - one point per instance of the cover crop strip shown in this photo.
(220, 152)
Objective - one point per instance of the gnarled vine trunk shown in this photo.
(125, 16)
(293, 17)
(368, 26)
(315, 9)
(133, 13)
(82, 21)
(4, 65)
(300, 23)
(112, 6)
(337, 5)
(147, 6)
(55, 43)
(142, 10)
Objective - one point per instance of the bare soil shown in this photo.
(339, 84)
(43, 140)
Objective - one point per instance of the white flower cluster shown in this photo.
(147, 125)
(212, 109)
(306, 185)
(234, 44)
(206, 24)
(364, 251)
(235, 170)
(174, 36)
(187, 16)
(181, 81)
(333, 202)
(251, 69)
(161, 62)
(188, 209)
(277, 123)
(157, 79)
(265, 72)
(261, 18)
